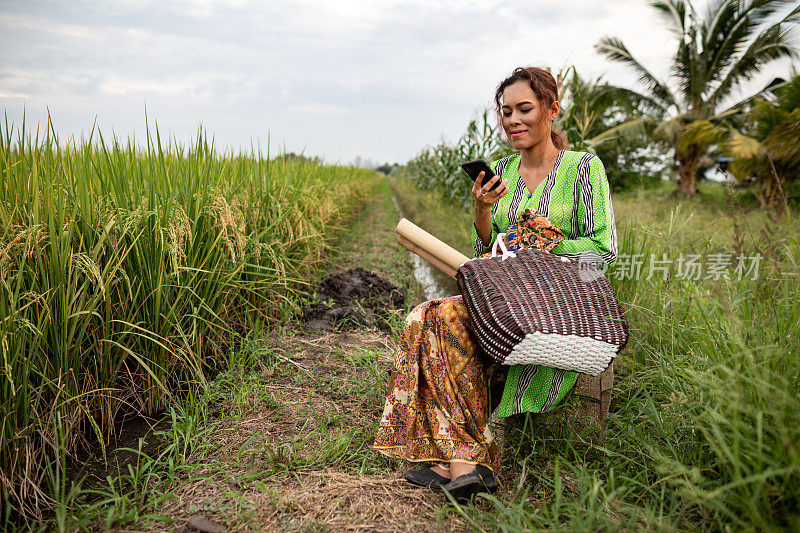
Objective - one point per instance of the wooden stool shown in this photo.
(584, 411)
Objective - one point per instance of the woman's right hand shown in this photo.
(484, 198)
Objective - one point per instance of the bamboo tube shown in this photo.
(410, 246)
(436, 252)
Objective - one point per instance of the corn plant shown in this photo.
(439, 167)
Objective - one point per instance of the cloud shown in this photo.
(379, 79)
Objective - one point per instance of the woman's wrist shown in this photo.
(483, 222)
(484, 233)
(482, 212)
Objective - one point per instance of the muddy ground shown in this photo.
(354, 298)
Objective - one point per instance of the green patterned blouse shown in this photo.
(575, 197)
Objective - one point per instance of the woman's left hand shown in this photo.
(484, 200)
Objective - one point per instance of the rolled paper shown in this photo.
(433, 247)
(410, 246)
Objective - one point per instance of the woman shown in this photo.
(437, 407)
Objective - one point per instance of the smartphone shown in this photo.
(473, 168)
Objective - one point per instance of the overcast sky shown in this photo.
(379, 79)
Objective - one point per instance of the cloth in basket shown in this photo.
(533, 230)
(534, 307)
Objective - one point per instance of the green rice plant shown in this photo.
(128, 270)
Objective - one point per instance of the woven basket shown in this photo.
(533, 307)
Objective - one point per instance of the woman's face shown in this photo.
(525, 119)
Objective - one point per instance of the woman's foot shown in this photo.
(458, 469)
(443, 471)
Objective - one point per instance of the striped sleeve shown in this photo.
(478, 247)
(593, 216)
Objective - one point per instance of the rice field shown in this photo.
(128, 271)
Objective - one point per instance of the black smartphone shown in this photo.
(473, 168)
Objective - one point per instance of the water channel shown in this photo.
(433, 282)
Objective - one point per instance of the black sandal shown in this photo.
(464, 487)
(426, 477)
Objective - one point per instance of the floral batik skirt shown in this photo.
(437, 405)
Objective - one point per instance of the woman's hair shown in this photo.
(544, 87)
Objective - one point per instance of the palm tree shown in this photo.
(597, 119)
(715, 54)
(585, 111)
(765, 147)
(591, 111)
(769, 149)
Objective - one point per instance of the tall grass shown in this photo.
(715, 368)
(705, 419)
(126, 272)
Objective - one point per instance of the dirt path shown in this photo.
(297, 457)
(290, 449)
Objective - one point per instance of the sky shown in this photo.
(341, 79)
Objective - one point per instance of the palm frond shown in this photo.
(727, 30)
(784, 139)
(717, 15)
(789, 94)
(760, 11)
(685, 70)
(608, 93)
(615, 50)
(702, 132)
(674, 14)
(670, 130)
(628, 130)
(746, 169)
(775, 42)
(765, 91)
(765, 116)
(726, 116)
(741, 146)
